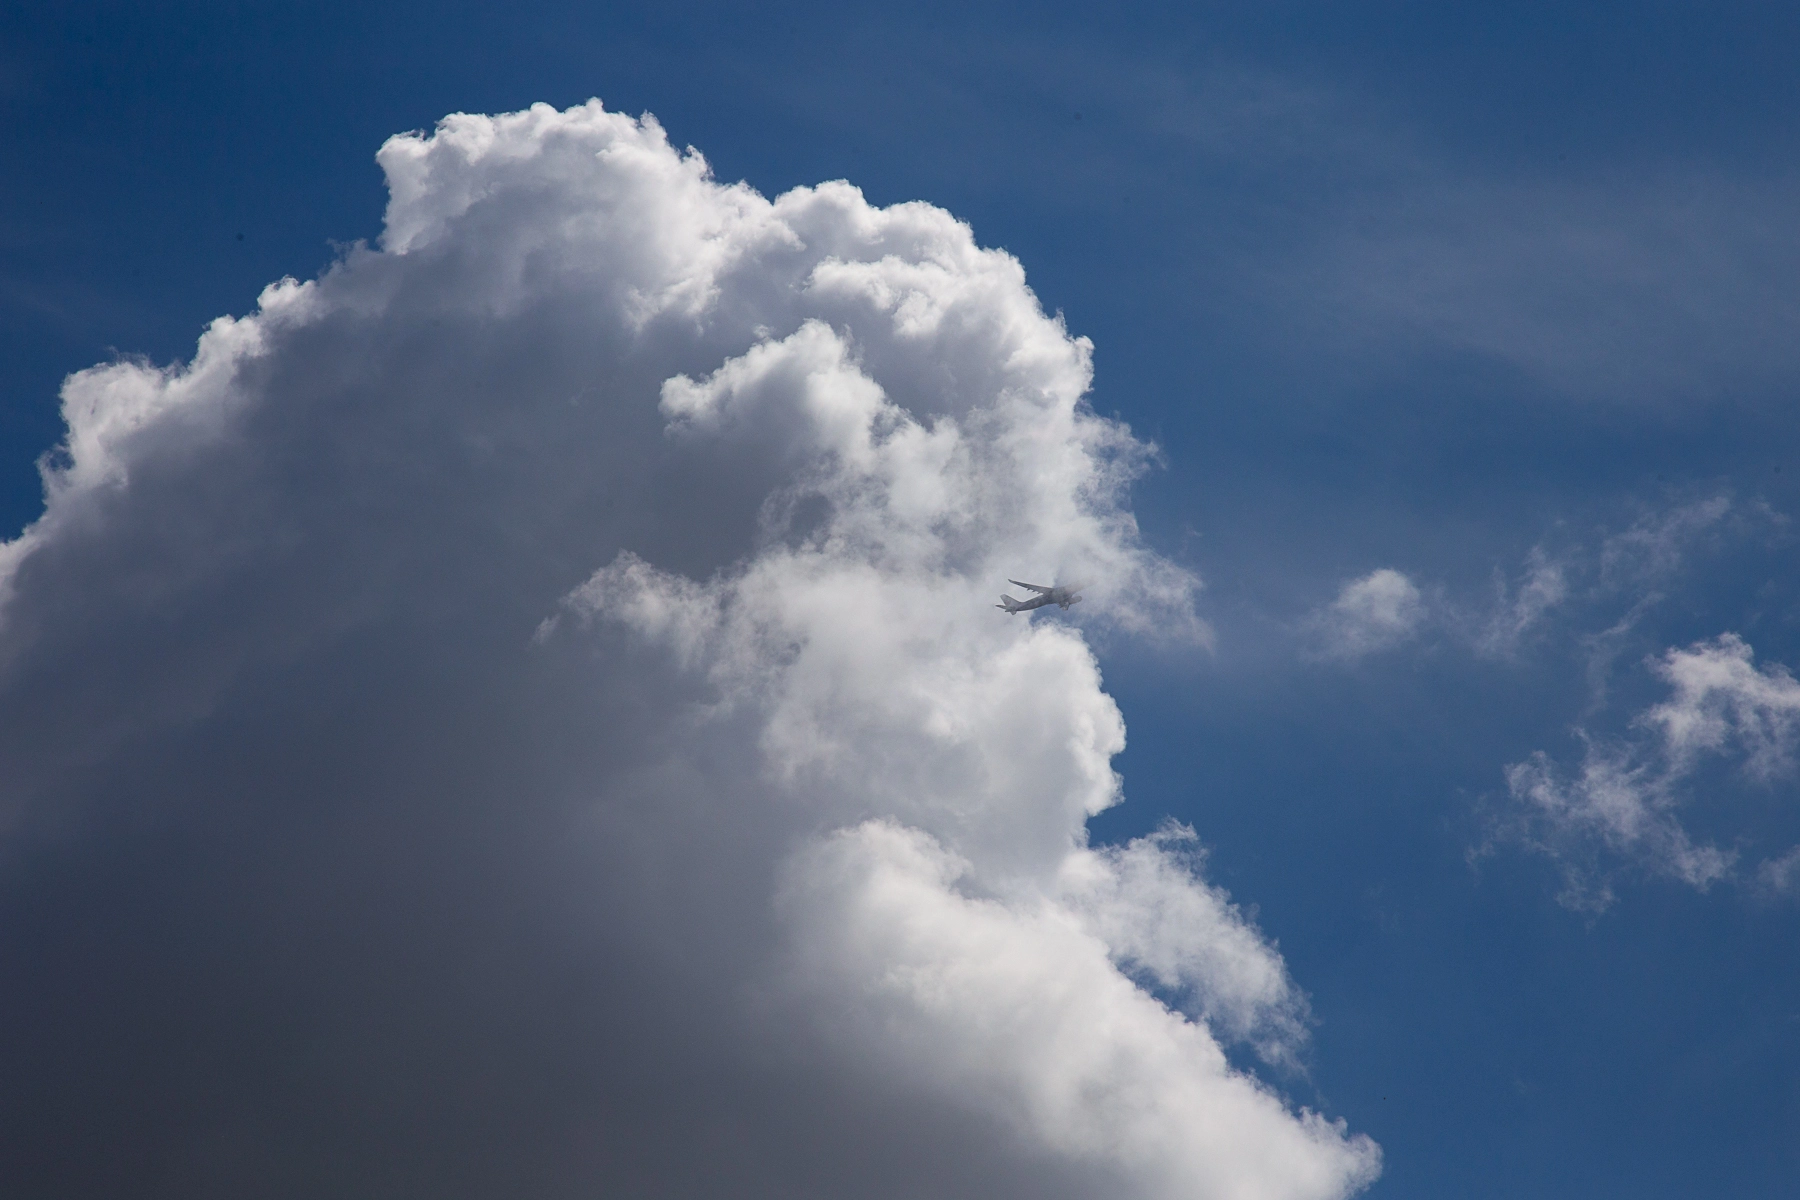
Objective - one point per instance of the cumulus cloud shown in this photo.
(523, 711)
(1376, 612)
(1621, 805)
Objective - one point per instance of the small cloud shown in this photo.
(1781, 876)
(1542, 589)
(1620, 807)
(1721, 699)
(1612, 808)
(1653, 548)
(1376, 612)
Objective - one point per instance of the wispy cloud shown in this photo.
(1633, 281)
(1613, 804)
(1781, 875)
(1521, 606)
(1620, 807)
(1654, 547)
(1674, 280)
(1563, 589)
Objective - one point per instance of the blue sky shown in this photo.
(1495, 297)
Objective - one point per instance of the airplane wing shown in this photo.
(1036, 587)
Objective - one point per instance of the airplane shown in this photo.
(1062, 597)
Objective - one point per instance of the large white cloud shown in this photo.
(541, 678)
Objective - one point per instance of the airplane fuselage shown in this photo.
(1062, 597)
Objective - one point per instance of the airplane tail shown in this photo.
(1008, 603)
